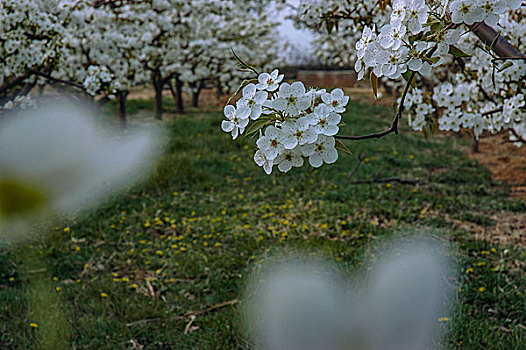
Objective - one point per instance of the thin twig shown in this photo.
(519, 137)
(361, 158)
(387, 180)
(394, 124)
(188, 315)
(211, 308)
(492, 112)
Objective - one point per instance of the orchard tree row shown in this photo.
(103, 48)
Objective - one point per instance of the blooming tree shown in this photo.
(103, 48)
(465, 73)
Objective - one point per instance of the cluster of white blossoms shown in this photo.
(293, 122)
(97, 77)
(423, 37)
(408, 41)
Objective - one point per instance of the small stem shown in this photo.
(394, 123)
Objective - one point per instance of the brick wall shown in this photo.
(327, 78)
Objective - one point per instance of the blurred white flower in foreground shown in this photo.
(54, 161)
(308, 305)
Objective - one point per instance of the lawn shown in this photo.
(164, 264)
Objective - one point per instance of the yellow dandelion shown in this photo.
(33, 325)
(104, 295)
(482, 289)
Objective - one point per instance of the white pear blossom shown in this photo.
(297, 132)
(321, 151)
(261, 159)
(391, 36)
(292, 99)
(417, 14)
(416, 62)
(55, 160)
(237, 120)
(466, 11)
(301, 303)
(271, 143)
(395, 66)
(269, 82)
(336, 100)
(368, 36)
(289, 158)
(324, 121)
(254, 100)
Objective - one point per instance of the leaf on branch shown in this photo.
(341, 146)
(505, 66)
(408, 75)
(330, 26)
(242, 65)
(455, 51)
(494, 42)
(374, 84)
(434, 59)
(257, 125)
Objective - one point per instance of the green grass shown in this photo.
(186, 239)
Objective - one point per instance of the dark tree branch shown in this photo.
(394, 124)
(57, 80)
(492, 38)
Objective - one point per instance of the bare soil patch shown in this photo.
(506, 162)
(509, 229)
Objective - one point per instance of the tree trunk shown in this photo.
(121, 106)
(158, 87)
(195, 96)
(175, 97)
(474, 144)
(41, 90)
(179, 91)
(219, 90)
